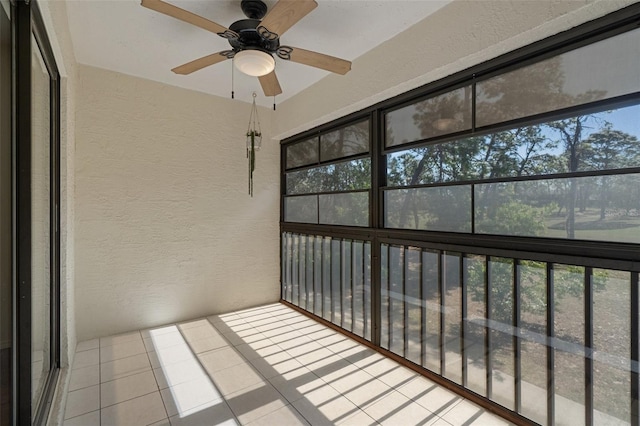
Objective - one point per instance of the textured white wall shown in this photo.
(165, 229)
(462, 34)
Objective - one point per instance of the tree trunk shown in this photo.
(404, 212)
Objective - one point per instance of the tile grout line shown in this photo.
(99, 383)
(154, 376)
(224, 399)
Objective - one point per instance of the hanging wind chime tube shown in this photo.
(254, 141)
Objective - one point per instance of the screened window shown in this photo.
(302, 153)
(435, 116)
(562, 81)
(334, 188)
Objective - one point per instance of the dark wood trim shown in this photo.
(441, 381)
(488, 301)
(635, 348)
(551, 384)
(588, 345)
(517, 347)
(21, 33)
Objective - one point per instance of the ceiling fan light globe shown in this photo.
(255, 63)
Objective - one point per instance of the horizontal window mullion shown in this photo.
(307, 194)
(622, 256)
(559, 114)
(450, 137)
(531, 178)
(323, 129)
(487, 249)
(359, 156)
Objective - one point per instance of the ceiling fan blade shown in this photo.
(270, 84)
(283, 15)
(203, 62)
(186, 16)
(314, 59)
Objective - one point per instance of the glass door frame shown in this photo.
(27, 21)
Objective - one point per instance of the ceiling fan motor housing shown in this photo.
(248, 37)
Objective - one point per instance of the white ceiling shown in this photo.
(123, 36)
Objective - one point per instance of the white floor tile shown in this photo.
(182, 398)
(284, 416)
(295, 388)
(272, 369)
(143, 410)
(86, 358)
(82, 401)
(120, 338)
(165, 340)
(156, 331)
(233, 338)
(179, 372)
(397, 376)
(262, 366)
(124, 367)
(194, 323)
(220, 359)
(331, 410)
(250, 352)
(435, 399)
(84, 377)
(236, 378)
(215, 415)
(337, 369)
(203, 331)
(208, 344)
(87, 345)
(315, 356)
(441, 422)
(396, 409)
(468, 413)
(367, 394)
(170, 355)
(359, 418)
(299, 340)
(418, 387)
(327, 365)
(254, 402)
(89, 419)
(352, 380)
(122, 350)
(126, 388)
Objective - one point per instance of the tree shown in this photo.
(610, 149)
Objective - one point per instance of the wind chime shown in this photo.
(254, 141)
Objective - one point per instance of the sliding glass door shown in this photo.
(35, 217)
(5, 214)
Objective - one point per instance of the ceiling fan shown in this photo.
(255, 40)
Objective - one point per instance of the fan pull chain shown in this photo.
(232, 82)
(274, 102)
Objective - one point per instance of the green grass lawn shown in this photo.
(589, 227)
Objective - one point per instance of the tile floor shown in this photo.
(263, 366)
